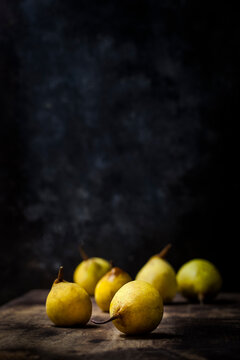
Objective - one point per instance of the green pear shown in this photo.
(67, 303)
(108, 285)
(199, 279)
(160, 274)
(136, 308)
(90, 271)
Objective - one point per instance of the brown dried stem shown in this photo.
(164, 251)
(60, 276)
(105, 321)
(83, 254)
(201, 298)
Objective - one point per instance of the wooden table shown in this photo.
(187, 331)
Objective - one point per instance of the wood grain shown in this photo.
(187, 331)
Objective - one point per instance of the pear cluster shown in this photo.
(135, 306)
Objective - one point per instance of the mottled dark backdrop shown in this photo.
(116, 133)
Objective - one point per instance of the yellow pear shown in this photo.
(108, 285)
(90, 271)
(160, 274)
(67, 303)
(199, 279)
(136, 308)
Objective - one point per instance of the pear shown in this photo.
(67, 303)
(160, 274)
(199, 279)
(136, 308)
(108, 285)
(90, 271)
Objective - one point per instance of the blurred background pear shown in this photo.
(90, 271)
(199, 279)
(160, 274)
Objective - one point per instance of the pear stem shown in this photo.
(112, 264)
(105, 321)
(83, 254)
(164, 251)
(201, 298)
(60, 274)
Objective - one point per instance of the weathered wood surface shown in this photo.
(187, 331)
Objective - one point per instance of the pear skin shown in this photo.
(199, 279)
(136, 308)
(160, 274)
(67, 303)
(108, 285)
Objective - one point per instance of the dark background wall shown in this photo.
(117, 133)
